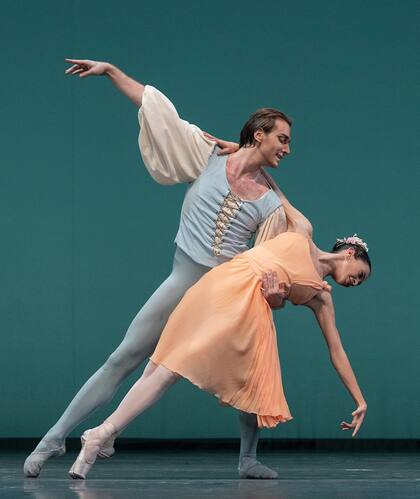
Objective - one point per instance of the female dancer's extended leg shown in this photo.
(138, 343)
(144, 393)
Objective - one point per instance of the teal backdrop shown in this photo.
(87, 235)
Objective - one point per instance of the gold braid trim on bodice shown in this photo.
(227, 212)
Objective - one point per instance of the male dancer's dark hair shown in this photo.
(263, 119)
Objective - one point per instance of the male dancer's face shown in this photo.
(273, 146)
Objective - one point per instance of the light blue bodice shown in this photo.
(216, 224)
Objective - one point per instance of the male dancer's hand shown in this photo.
(127, 85)
(226, 147)
(275, 292)
(85, 67)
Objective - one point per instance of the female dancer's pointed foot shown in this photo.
(252, 469)
(95, 439)
(43, 451)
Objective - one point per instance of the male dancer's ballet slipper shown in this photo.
(250, 468)
(35, 461)
(107, 449)
(91, 448)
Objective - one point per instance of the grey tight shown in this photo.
(138, 343)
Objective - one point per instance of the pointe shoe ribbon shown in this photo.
(95, 439)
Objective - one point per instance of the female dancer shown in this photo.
(228, 347)
(228, 201)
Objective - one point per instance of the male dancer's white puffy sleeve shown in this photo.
(172, 149)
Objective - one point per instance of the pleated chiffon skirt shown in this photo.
(222, 338)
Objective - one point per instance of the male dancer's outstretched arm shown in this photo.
(173, 150)
(128, 86)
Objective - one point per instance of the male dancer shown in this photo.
(175, 151)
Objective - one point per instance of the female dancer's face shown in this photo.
(351, 271)
(273, 146)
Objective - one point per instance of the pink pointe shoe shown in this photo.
(94, 441)
(107, 449)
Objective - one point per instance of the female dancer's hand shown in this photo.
(84, 67)
(226, 147)
(358, 416)
(275, 292)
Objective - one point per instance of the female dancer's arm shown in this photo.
(323, 308)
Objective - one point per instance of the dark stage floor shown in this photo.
(211, 474)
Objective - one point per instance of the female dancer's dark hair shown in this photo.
(359, 252)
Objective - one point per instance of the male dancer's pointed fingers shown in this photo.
(71, 69)
(265, 281)
(270, 280)
(84, 62)
(210, 136)
(78, 71)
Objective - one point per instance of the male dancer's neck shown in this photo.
(245, 161)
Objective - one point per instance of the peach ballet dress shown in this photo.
(221, 336)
